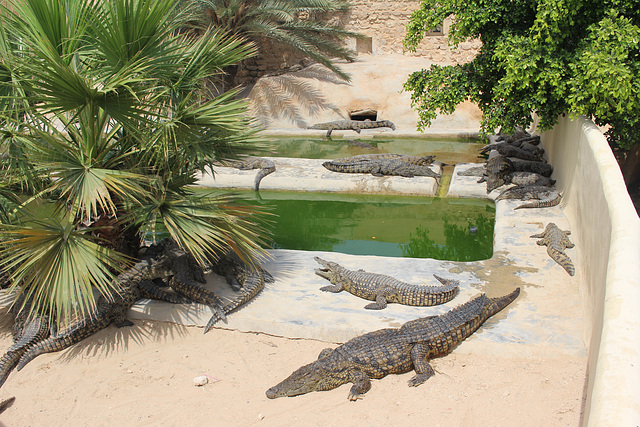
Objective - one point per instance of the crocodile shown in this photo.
(355, 125)
(509, 150)
(542, 196)
(542, 168)
(109, 309)
(384, 289)
(266, 167)
(557, 241)
(247, 280)
(386, 167)
(414, 160)
(392, 351)
(529, 178)
(498, 167)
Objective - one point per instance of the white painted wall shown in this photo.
(607, 230)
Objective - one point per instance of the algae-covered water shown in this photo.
(396, 226)
(446, 150)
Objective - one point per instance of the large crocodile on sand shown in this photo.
(557, 241)
(355, 125)
(384, 289)
(392, 351)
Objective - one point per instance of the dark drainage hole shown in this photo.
(362, 115)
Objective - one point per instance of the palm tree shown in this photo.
(291, 22)
(106, 124)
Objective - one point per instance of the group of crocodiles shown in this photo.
(164, 272)
(392, 350)
(370, 356)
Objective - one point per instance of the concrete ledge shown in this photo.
(310, 175)
(607, 228)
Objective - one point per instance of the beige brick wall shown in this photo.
(384, 21)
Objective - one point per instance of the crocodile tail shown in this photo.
(563, 260)
(494, 305)
(261, 174)
(36, 330)
(545, 203)
(83, 329)
(252, 286)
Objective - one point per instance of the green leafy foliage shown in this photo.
(296, 23)
(107, 120)
(550, 57)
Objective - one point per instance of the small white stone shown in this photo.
(201, 380)
(260, 416)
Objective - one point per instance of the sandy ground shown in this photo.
(143, 375)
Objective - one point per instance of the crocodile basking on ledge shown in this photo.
(556, 242)
(384, 289)
(355, 125)
(542, 196)
(392, 351)
(382, 167)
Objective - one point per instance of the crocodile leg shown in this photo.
(424, 371)
(149, 289)
(332, 288)
(361, 384)
(6, 404)
(381, 302)
(199, 294)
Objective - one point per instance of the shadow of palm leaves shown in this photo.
(292, 96)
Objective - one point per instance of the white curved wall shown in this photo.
(607, 230)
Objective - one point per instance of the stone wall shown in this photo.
(383, 23)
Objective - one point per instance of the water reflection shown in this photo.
(378, 225)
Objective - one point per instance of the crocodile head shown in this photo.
(311, 377)
(329, 269)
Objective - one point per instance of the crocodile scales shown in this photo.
(392, 351)
(355, 125)
(384, 289)
(557, 241)
(383, 167)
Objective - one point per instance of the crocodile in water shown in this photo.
(556, 241)
(266, 167)
(355, 125)
(384, 289)
(392, 351)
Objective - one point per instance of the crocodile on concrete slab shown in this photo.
(355, 125)
(498, 168)
(414, 160)
(530, 178)
(542, 196)
(557, 241)
(387, 167)
(542, 168)
(392, 351)
(266, 167)
(509, 150)
(384, 289)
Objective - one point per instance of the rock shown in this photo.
(201, 380)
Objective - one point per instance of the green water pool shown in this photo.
(449, 151)
(396, 226)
